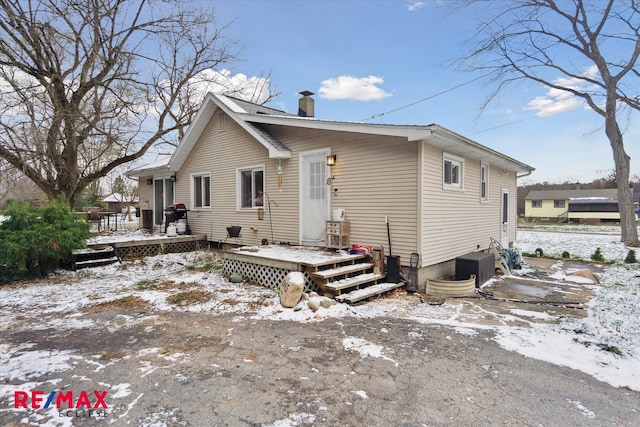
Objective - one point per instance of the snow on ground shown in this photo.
(605, 343)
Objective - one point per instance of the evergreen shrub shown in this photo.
(597, 256)
(631, 257)
(36, 241)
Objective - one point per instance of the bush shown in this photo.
(631, 257)
(597, 256)
(34, 242)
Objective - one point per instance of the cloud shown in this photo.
(413, 5)
(555, 102)
(254, 89)
(558, 101)
(349, 87)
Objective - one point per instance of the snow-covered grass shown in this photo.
(605, 343)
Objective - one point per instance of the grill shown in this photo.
(174, 213)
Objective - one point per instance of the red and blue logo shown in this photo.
(85, 403)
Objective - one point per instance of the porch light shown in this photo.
(149, 181)
(331, 160)
(173, 178)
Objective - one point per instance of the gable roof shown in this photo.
(606, 193)
(252, 118)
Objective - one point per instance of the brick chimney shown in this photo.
(305, 104)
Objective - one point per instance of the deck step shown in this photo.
(95, 262)
(368, 292)
(316, 267)
(339, 271)
(351, 282)
(94, 256)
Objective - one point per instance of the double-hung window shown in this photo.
(484, 182)
(251, 187)
(536, 203)
(201, 191)
(559, 204)
(453, 171)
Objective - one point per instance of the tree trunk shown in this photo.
(628, 227)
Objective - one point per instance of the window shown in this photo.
(484, 182)
(536, 203)
(251, 187)
(558, 204)
(201, 191)
(453, 171)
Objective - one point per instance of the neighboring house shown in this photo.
(116, 201)
(267, 171)
(572, 205)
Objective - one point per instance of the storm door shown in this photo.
(504, 220)
(314, 204)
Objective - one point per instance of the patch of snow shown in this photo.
(294, 420)
(365, 348)
(361, 393)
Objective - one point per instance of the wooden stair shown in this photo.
(352, 281)
(94, 257)
(368, 292)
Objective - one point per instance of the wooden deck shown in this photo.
(331, 273)
(154, 245)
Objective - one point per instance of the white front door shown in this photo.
(504, 220)
(314, 203)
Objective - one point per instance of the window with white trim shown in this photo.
(484, 182)
(201, 191)
(453, 171)
(536, 203)
(251, 187)
(559, 204)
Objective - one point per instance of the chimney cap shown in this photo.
(306, 93)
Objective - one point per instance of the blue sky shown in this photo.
(365, 58)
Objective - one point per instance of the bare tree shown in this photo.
(87, 86)
(587, 50)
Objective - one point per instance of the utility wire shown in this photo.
(427, 98)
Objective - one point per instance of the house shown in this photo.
(589, 205)
(116, 201)
(280, 176)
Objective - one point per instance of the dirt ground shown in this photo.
(201, 369)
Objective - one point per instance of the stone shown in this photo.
(313, 305)
(291, 289)
(325, 303)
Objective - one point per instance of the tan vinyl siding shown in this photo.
(145, 194)
(455, 222)
(375, 177)
(220, 153)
